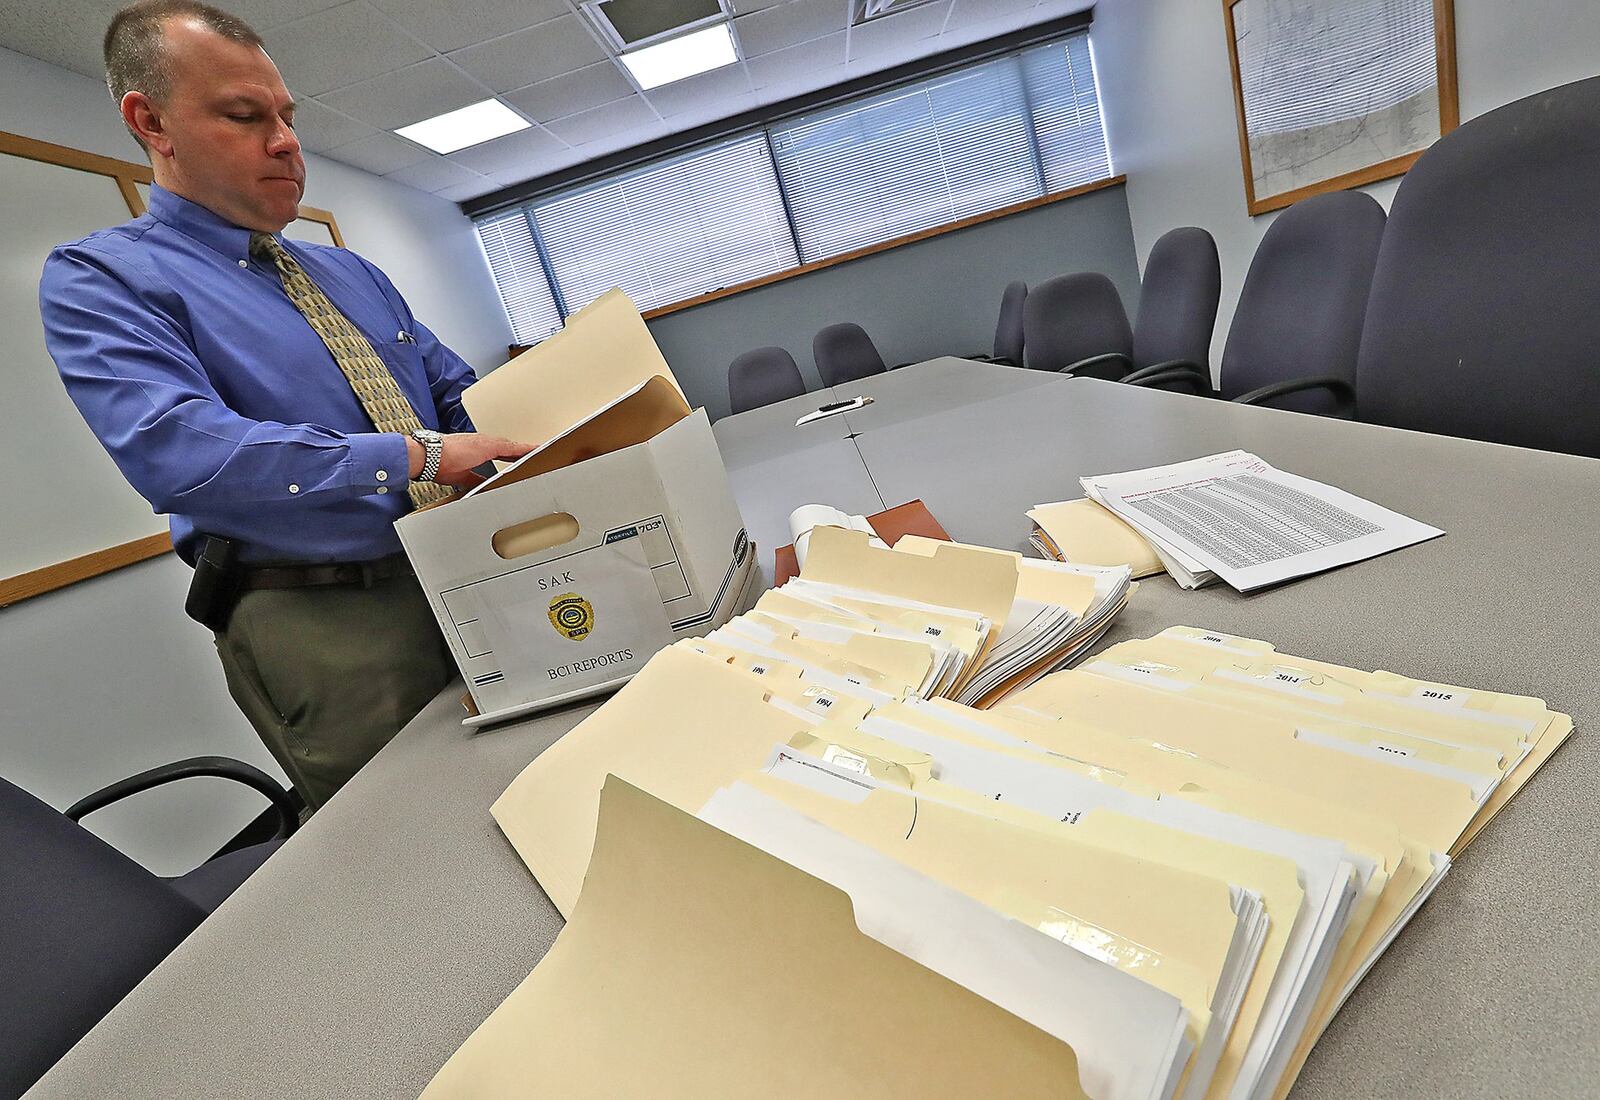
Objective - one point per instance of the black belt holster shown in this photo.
(216, 585)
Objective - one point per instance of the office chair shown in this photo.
(1075, 324)
(81, 924)
(1178, 308)
(1483, 319)
(762, 376)
(1297, 327)
(844, 353)
(1008, 328)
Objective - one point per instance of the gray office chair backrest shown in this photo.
(1178, 301)
(1008, 330)
(845, 352)
(1484, 319)
(80, 925)
(1077, 321)
(1300, 312)
(762, 376)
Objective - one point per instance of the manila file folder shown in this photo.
(697, 965)
(604, 351)
(684, 726)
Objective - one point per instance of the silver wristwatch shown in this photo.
(432, 451)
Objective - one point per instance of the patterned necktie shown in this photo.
(368, 375)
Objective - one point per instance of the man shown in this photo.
(277, 399)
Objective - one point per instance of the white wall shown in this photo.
(424, 243)
(1167, 97)
(107, 678)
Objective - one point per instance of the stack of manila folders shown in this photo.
(1230, 517)
(1155, 876)
(1045, 618)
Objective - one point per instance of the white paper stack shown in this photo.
(1040, 637)
(1234, 517)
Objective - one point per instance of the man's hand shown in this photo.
(461, 454)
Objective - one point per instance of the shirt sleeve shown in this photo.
(448, 373)
(115, 333)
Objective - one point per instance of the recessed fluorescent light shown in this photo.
(680, 57)
(469, 126)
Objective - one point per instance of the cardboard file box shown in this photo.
(560, 577)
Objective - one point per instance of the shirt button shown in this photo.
(294, 488)
(244, 263)
(382, 475)
(382, 489)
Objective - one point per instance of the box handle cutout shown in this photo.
(534, 535)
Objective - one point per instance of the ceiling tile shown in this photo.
(969, 13)
(697, 93)
(745, 7)
(265, 14)
(788, 24)
(713, 110)
(434, 174)
(543, 166)
(380, 154)
(448, 27)
(407, 95)
(64, 34)
(461, 192)
(813, 61)
(320, 129)
(892, 33)
(517, 60)
(1054, 9)
(570, 93)
(340, 46)
(595, 125)
(511, 153)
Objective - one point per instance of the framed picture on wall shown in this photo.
(1337, 93)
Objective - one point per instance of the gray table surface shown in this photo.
(357, 960)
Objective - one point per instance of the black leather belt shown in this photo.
(354, 573)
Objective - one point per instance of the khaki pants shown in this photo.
(327, 675)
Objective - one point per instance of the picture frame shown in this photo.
(1381, 105)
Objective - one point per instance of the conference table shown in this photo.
(362, 954)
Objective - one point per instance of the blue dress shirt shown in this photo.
(218, 401)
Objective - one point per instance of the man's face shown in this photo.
(226, 132)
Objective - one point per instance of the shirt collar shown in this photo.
(194, 220)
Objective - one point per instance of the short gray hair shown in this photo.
(135, 45)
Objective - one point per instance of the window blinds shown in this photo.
(1065, 109)
(514, 260)
(671, 230)
(808, 188)
(875, 169)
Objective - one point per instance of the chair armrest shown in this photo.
(1171, 364)
(1171, 371)
(1344, 394)
(220, 766)
(1187, 375)
(1110, 358)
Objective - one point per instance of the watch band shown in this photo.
(432, 453)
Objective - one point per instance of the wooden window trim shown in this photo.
(126, 173)
(515, 350)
